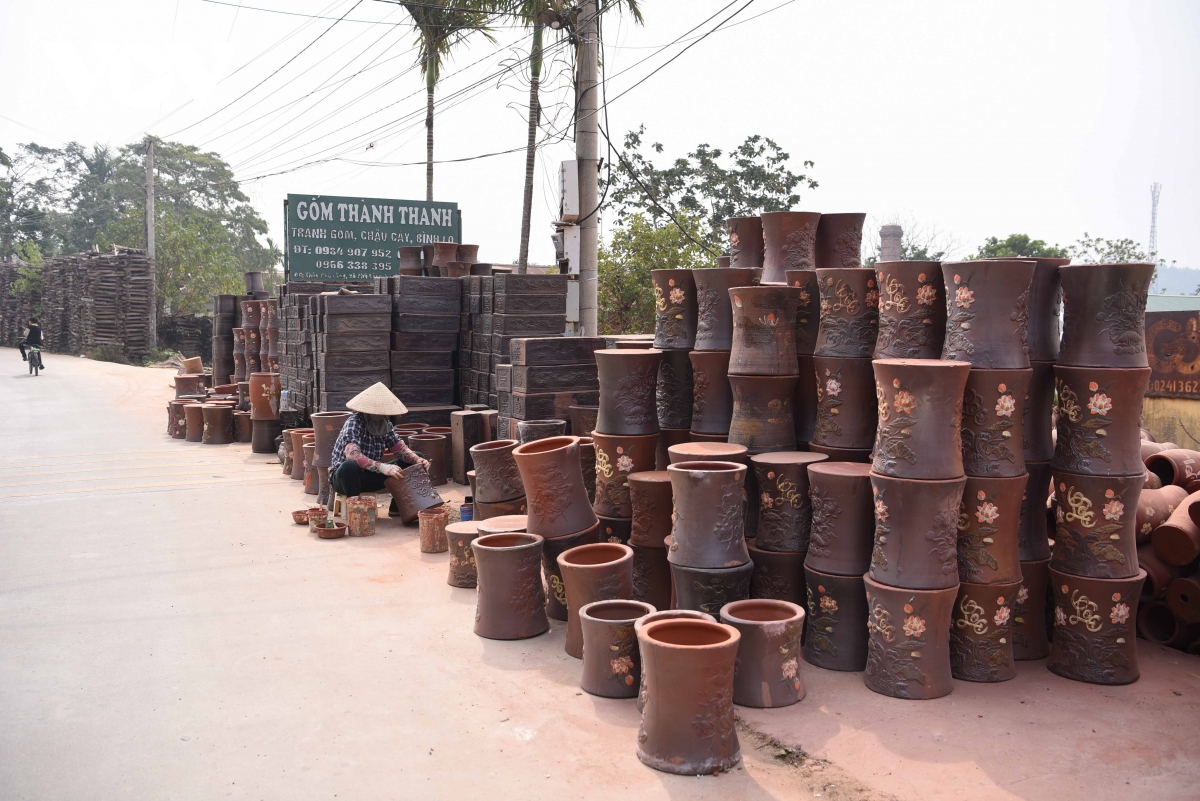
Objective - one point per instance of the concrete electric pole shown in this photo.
(586, 152)
(153, 322)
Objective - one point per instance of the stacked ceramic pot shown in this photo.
(497, 489)
(225, 312)
(784, 518)
(269, 336)
(844, 427)
(264, 412)
(252, 313)
(676, 301)
(712, 397)
(1100, 380)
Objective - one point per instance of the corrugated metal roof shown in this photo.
(1165, 303)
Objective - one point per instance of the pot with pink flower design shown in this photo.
(843, 521)
(785, 513)
(808, 309)
(767, 672)
(745, 242)
(836, 626)
(712, 397)
(714, 322)
(849, 313)
(1033, 537)
(912, 310)
(615, 529)
(628, 391)
(1095, 524)
(919, 413)
(916, 532)
(612, 664)
(708, 529)
(1104, 314)
(601, 571)
(1094, 628)
(764, 332)
(762, 412)
(981, 632)
(1037, 414)
(1175, 466)
(675, 309)
(839, 240)
(778, 575)
(908, 641)
(511, 604)
(1098, 420)
(616, 458)
(988, 312)
(992, 422)
(462, 559)
(1155, 507)
(988, 521)
(1029, 636)
(846, 403)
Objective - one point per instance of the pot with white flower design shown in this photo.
(843, 518)
(553, 479)
(601, 571)
(1033, 536)
(708, 529)
(764, 330)
(988, 312)
(1177, 541)
(778, 575)
(981, 632)
(1095, 525)
(1094, 628)
(1104, 314)
(839, 240)
(556, 593)
(992, 422)
(1098, 420)
(789, 243)
(674, 390)
(612, 664)
(849, 313)
(675, 309)
(836, 627)
(712, 397)
(762, 412)
(916, 528)
(784, 512)
(846, 404)
(462, 559)
(1029, 636)
(767, 672)
(628, 391)
(714, 324)
(912, 310)
(988, 521)
(808, 309)
(662, 614)
(1155, 507)
(908, 641)
(919, 412)
(511, 604)
(616, 458)
(745, 242)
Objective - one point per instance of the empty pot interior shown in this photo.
(1157, 624)
(616, 610)
(688, 632)
(712, 467)
(494, 444)
(544, 445)
(505, 540)
(763, 611)
(597, 554)
(1163, 468)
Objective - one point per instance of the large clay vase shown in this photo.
(413, 492)
(846, 403)
(675, 309)
(264, 396)
(497, 478)
(1156, 623)
(1029, 628)
(762, 412)
(992, 422)
(1094, 628)
(916, 532)
(651, 504)
(849, 313)
(600, 571)
(556, 599)
(764, 330)
(1037, 414)
(1098, 413)
(920, 404)
(908, 641)
(745, 242)
(433, 448)
(1096, 518)
(1177, 541)
(460, 537)
(218, 424)
(612, 664)
(981, 632)
(651, 576)
(836, 636)
(843, 518)
(688, 722)
(628, 391)
(714, 324)
(326, 428)
(785, 513)
(1104, 314)
(778, 575)
(673, 394)
(662, 614)
(709, 514)
(712, 397)
(511, 604)
(767, 674)
(583, 420)
(804, 401)
(808, 309)
(616, 458)
(1176, 466)
(1033, 537)
(298, 435)
(912, 310)
(988, 309)
(789, 243)
(839, 240)
(988, 523)
(554, 491)
(707, 589)
(1155, 507)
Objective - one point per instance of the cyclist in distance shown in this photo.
(33, 338)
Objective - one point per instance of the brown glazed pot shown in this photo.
(264, 396)
(778, 575)
(839, 240)
(243, 426)
(1183, 598)
(1177, 466)
(710, 515)
(712, 398)
(326, 428)
(1037, 414)
(1045, 301)
(688, 722)
(587, 465)
(583, 420)
(708, 589)
(846, 403)
(616, 458)
(666, 438)
(849, 313)
(1154, 507)
(988, 524)
(1033, 537)
(189, 385)
(912, 310)
(218, 424)
(843, 518)
(1095, 532)
(762, 412)
(503, 524)
(193, 415)
(554, 491)
(675, 309)
(789, 243)
(556, 598)
(1159, 574)
(916, 532)
(530, 430)
(312, 479)
(497, 478)
(808, 309)
(651, 504)
(1104, 314)
(251, 313)
(511, 603)
(920, 407)
(612, 664)
(981, 632)
(433, 448)
(615, 529)
(785, 513)
(745, 242)
(297, 435)
(600, 571)
(714, 324)
(628, 387)
(1094, 622)
(836, 637)
(764, 330)
(767, 672)
(413, 492)
(804, 400)
(664, 614)
(1098, 413)
(1029, 636)
(651, 576)
(992, 417)
(988, 309)
(673, 393)
(462, 558)
(1177, 541)
(908, 641)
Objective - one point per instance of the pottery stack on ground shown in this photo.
(264, 411)
(225, 314)
(784, 518)
(601, 571)
(675, 332)
(326, 428)
(251, 319)
(269, 336)
(808, 327)
(497, 489)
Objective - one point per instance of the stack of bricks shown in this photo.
(475, 347)
(424, 338)
(544, 378)
(351, 353)
(296, 347)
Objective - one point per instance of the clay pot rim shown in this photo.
(263, 374)
(627, 352)
(991, 261)
(321, 415)
(494, 445)
(832, 468)
(1139, 576)
(1054, 471)
(593, 527)
(512, 541)
(1146, 626)
(413, 427)
(597, 408)
(790, 612)
(933, 265)
(734, 569)
(433, 511)
(847, 270)
(588, 611)
(546, 422)
(898, 479)
(1083, 368)
(793, 291)
(774, 214)
(597, 436)
(938, 364)
(1040, 260)
(586, 441)
(445, 431)
(718, 635)
(672, 614)
(608, 553)
(1003, 479)
(1085, 267)
(500, 521)
(733, 451)
(649, 477)
(997, 584)
(426, 437)
(750, 546)
(547, 445)
(468, 527)
(805, 458)
(698, 467)
(870, 583)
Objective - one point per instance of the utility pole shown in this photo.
(153, 322)
(586, 153)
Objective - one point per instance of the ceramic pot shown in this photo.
(503, 524)
(1104, 314)
(1159, 574)
(553, 479)
(665, 614)
(1029, 635)
(778, 575)
(908, 641)
(767, 672)
(264, 396)
(432, 523)
(587, 464)
(1033, 535)
(849, 313)
(511, 604)
(1183, 598)
(288, 459)
(839, 240)
(218, 424)
(858, 455)
(675, 309)
(193, 416)
(612, 664)
(1177, 541)
(530, 430)
(764, 330)
(1156, 623)
(556, 598)
(808, 309)
(615, 529)
(253, 364)
(1154, 507)
(443, 254)
(916, 532)
(988, 523)
(689, 670)
(189, 385)
(714, 323)
(846, 404)
(1150, 448)
(651, 576)
(176, 421)
(269, 355)
(762, 412)
(263, 434)
(239, 340)
(326, 428)
(673, 394)
(596, 572)
(981, 632)
(919, 410)
(406, 429)
(317, 517)
(789, 242)
(712, 398)
(467, 254)
(1037, 414)
(297, 435)
(628, 387)
(708, 589)
(1178, 466)
(651, 505)
(460, 536)
(709, 515)
(242, 426)
(312, 478)
(912, 310)
(1096, 519)
(497, 478)
(1045, 302)
(785, 513)
(239, 367)
(251, 313)
(583, 420)
(836, 636)
(243, 393)
(413, 492)
(487, 511)
(360, 516)
(1094, 622)
(666, 438)
(987, 312)
(410, 258)
(804, 401)
(1098, 412)
(745, 242)
(992, 422)
(843, 519)
(433, 448)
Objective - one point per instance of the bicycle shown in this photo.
(35, 360)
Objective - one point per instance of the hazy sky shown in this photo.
(973, 119)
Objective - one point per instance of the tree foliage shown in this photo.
(1018, 245)
(1094, 250)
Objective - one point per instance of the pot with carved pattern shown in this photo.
(413, 492)
(767, 673)
(842, 532)
(628, 391)
(615, 529)
(992, 419)
(745, 242)
(529, 430)
(712, 397)
(1037, 414)
(708, 530)
(583, 420)
(762, 412)
(1033, 541)
(460, 535)
(251, 314)
(808, 309)
(616, 458)
(1029, 627)
(919, 412)
(1045, 303)
(651, 503)
(836, 636)
(707, 589)
(908, 641)
(1095, 524)
(785, 513)
(1094, 628)
(612, 665)
(849, 313)
(764, 330)
(916, 532)
(981, 632)
(651, 576)
(510, 604)
(497, 478)
(673, 394)
(846, 402)
(1098, 414)
(988, 524)
(778, 575)
(663, 614)
(912, 310)
(675, 309)
(1104, 314)
(600, 571)
(839, 240)
(554, 491)
(789, 243)
(556, 594)
(987, 312)
(714, 326)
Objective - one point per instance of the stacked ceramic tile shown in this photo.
(423, 342)
(296, 345)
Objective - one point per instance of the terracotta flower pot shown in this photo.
(836, 637)
(553, 479)
(410, 258)
(583, 420)
(460, 536)
(1183, 598)
(785, 513)
(218, 424)
(764, 330)
(908, 641)
(988, 312)
(988, 523)
(839, 240)
(745, 242)
(992, 422)
(1104, 314)
(264, 396)
(628, 387)
(804, 401)
(688, 722)
(712, 397)
(1094, 621)
(650, 502)
(317, 517)
(433, 448)
(714, 323)
(709, 514)
(1154, 507)
(1156, 623)
(615, 529)
(497, 478)
(597, 572)
(789, 243)
(312, 477)
(1177, 541)
(1098, 412)
(708, 589)
(767, 673)
(251, 313)
(709, 452)
(673, 395)
(331, 530)
(919, 414)
(981, 632)
(675, 309)
(762, 412)
(612, 664)
(916, 532)
(360, 516)
(1029, 635)
(287, 453)
(666, 438)
(808, 309)
(189, 385)
(193, 415)
(242, 426)
(663, 614)
(269, 355)
(843, 522)
(467, 254)
(413, 492)
(778, 575)
(587, 464)
(1159, 574)
(846, 404)
(912, 310)
(1096, 519)
(1033, 535)
(530, 430)
(849, 313)
(651, 576)
(433, 522)
(1037, 414)
(326, 428)
(297, 436)
(1177, 466)
(556, 599)
(511, 603)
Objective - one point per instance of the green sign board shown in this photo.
(357, 238)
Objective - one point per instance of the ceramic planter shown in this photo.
(688, 721)
(1033, 535)
(1094, 622)
(764, 330)
(264, 396)
(616, 458)
(1104, 314)
(1037, 414)
(981, 632)
(651, 504)
(912, 310)
(846, 404)
(503, 524)
(808, 309)
(553, 479)
(908, 641)
(714, 325)
(1029, 636)
(612, 665)
(651, 576)
(709, 514)
(666, 438)
(511, 604)
(843, 518)
(193, 418)
(992, 422)
(789, 243)
(360, 516)
(665, 614)
(218, 424)
(988, 522)
(596, 572)
(785, 513)
(1098, 413)
(497, 478)
(242, 426)
(675, 309)
(413, 492)
(331, 530)
(767, 672)
(615, 529)
(326, 428)
(762, 412)
(587, 465)
(1154, 507)
(628, 388)
(1096, 517)
(432, 523)
(712, 398)
(1177, 466)
(530, 430)
(987, 312)
(239, 340)
(1177, 541)
(839, 240)
(673, 395)
(708, 589)
(433, 448)
(312, 479)
(297, 435)
(459, 536)
(556, 599)
(1159, 574)
(804, 401)
(920, 404)
(778, 575)
(189, 385)
(583, 420)
(239, 367)
(916, 532)
(836, 637)
(849, 313)
(745, 242)
(251, 313)
(1045, 302)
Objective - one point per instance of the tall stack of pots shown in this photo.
(326, 428)
(264, 412)
(675, 333)
(252, 313)
(269, 336)
(225, 318)
(784, 520)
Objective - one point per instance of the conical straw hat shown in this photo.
(377, 399)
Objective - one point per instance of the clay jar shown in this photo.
(767, 672)
(1098, 413)
(598, 572)
(764, 330)
(1094, 620)
(804, 400)
(583, 420)
(762, 412)
(849, 313)
(628, 388)
(264, 396)
(651, 576)
(712, 397)
(1156, 623)
(987, 304)
(413, 492)
(556, 600)
(808, 309)
(530, 430)
(1175, 466)
(708, 589)
(650, 501)
(916, 528)
(846, 403)
(789, 243)
(1029, 607)
(587, 464)
(912, 310)
(1032, 537)
(1096, 518)
(784, 510)
(981, 632)
(675, 309)
(992, 422)
(511, 602)
(839, 240)
(745, 242)
(778, 575)
(1154, 507)
(908, 647)
(665, 614)
(919, 409)
(1037, 414)
(836, 637)
(218, 424)
(1104, 314)
(673, 394)
(709, 514)
(688, 721)
(297, 435)
(497, 478)
(714, 324)
(189, 385)
(553, 479)
(843, 519)
(193, 415)
(612, 664)
(988, 522)
(1177, 541)
(433, 448)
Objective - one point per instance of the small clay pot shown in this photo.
(628, 387)
(587, 465)
(1183, 598)
(583, 420)
(712, 398)
(511, 603)
(988, 524)
(843, 519)
(836, 636)
(433, 522)
(662, 614)
(556, 598)
(688, 722)
(317, 517)
(264, 396)
(675, 309)
(1096, 517)
(714, 324)
(1104, 314)
(651, 504)
(1037, 414)
(804, 400)
(1030, 621)
(413, 492)
(992, 422)
(778, 575)
(1033, 535)
(612, 664)
(360, 516)
(497, 478)
(193, 415)
(242, 426)
(745, 242)
(709, 515)
(459, 537)
(767, 673)
(1177, 541)
(666, 438)
(1159, 574)
(981, 632)
(1098, 412)
(762, 412)
(433, 448)
(651, 576)
(846, 404)
(673, 395)
(188, 385)
(808, 310)
(789, 243)
(987, 312)
(530, 430)
(297, 437)
(849, 313)
(1178, 466)
(218, 424)
(331, 530)
(1094, 621)
(312, 478)
(300, 517)
(1156, 623)
(912, 310)
(764, 330)
(708, 589)
(596, 572)
(908, 641)
(616, 458)
(1154, 507)
(785, 513)
(916, 532)
(239, 367)
(326, 428)
(920, 405)
(503, 524)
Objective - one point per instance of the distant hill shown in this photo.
(1176, 281)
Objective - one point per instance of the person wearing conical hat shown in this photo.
(357, 454)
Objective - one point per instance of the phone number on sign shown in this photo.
(372, 266)
(1175, 386)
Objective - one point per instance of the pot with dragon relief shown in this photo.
(616, 458)
(778, 575)
(912, 310)
(612, 664)
(842, 533)
(745, 242)
(1098, 414)
(846, 402)
(556, 597)
(675, 309)
(836, 636)
(673, 394)
(712, 397)
(1033, 538)
(767, 671)
(628, 391)
(601, 571)
(981, 632)
(1094, 628)
(839, 240)
(1104, 314)
(714, 323)
(709, 525)
(1029, 635)
(908, 641)
(1045, 303)
(808, 309)
(553, 479)
(989, 520)
(762, 412)
(789, 243)
(919, 412)
(497, 478)
(650, 498)
(1037, 414)
(764, 330)
(1095, 524)
(916, 532)
(785, 513)
(707, 589)
(849, 313)
(511, 604)
(987, 312)
(992, 420)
